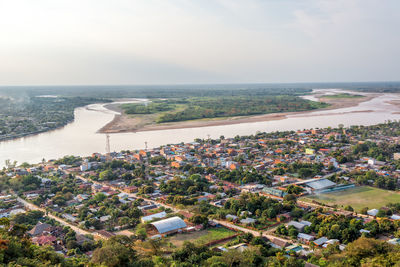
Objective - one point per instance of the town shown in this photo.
(296, 198)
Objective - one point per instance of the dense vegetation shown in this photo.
(198, 108)
(343, 95)
(24, 116)
(206, 107)
(148, 108)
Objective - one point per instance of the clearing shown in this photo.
(358, 197)
(201, 237)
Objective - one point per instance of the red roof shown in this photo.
(44, 240)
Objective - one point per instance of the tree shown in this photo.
(348, 208)
(99, 197)
(114, 254)
(141, 233)
(106, 175)
(199, 219)
(292, 232)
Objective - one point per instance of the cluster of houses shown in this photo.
(265, 155)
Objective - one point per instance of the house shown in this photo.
(39, 229)
(248, 221)
(320, 241)
(130, 189)
(394, 241)
(239, 247)
(170, 225)
(294, 248)
(365, 231)
(278, 243)
(104, 218)
(306, 223)
(299, 226)
(395, 217)
(305, 238)
(231, 217)
(69, 217)
(330, 242)
(44, 240)
(373, 212)
(81, 197)
(148, 207)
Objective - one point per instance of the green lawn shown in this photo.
(342, 95)
(358, 197)
(201, 237)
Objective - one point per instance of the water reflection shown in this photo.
(81, 137)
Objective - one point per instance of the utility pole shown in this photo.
(108, 149)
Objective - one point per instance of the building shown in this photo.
(151, 217)
(299, 225)
(320, 184)
(373, 212)
(320, 241)
(44, 240)
(39, 229)
(169, 226)
(248, 221)
(274, 192)
(305, 238)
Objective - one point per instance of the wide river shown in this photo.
(81, 138)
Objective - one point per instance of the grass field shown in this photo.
(342, 95)
(201, 237)
(358, 198)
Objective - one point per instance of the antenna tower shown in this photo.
(108, 149)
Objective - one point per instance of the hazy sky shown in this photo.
(51, 42)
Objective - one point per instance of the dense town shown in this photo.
(286, 198)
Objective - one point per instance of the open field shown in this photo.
(357, 197)
(343, 95)
(202, 237)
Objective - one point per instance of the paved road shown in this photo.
(224, 223)
(61, 221)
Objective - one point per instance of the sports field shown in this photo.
(357, 197)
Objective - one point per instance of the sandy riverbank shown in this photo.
(128, 123)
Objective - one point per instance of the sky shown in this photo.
(97, 42)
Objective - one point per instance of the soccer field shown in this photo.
(357, 197)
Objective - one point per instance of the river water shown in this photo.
(81, 138)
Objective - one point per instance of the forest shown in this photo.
(29, 115)
(183, 109)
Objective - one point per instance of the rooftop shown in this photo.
(170, 224)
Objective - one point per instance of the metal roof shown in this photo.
(154, 216)
(320, 184)
(170, 224)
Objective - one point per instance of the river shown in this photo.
(81, 138)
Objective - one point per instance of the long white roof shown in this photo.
(170, 224)
(320, 184)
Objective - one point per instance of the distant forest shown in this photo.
(30, 115)
(205, 90)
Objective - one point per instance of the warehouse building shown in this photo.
(169, 226)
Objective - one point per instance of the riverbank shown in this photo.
(123, 123)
